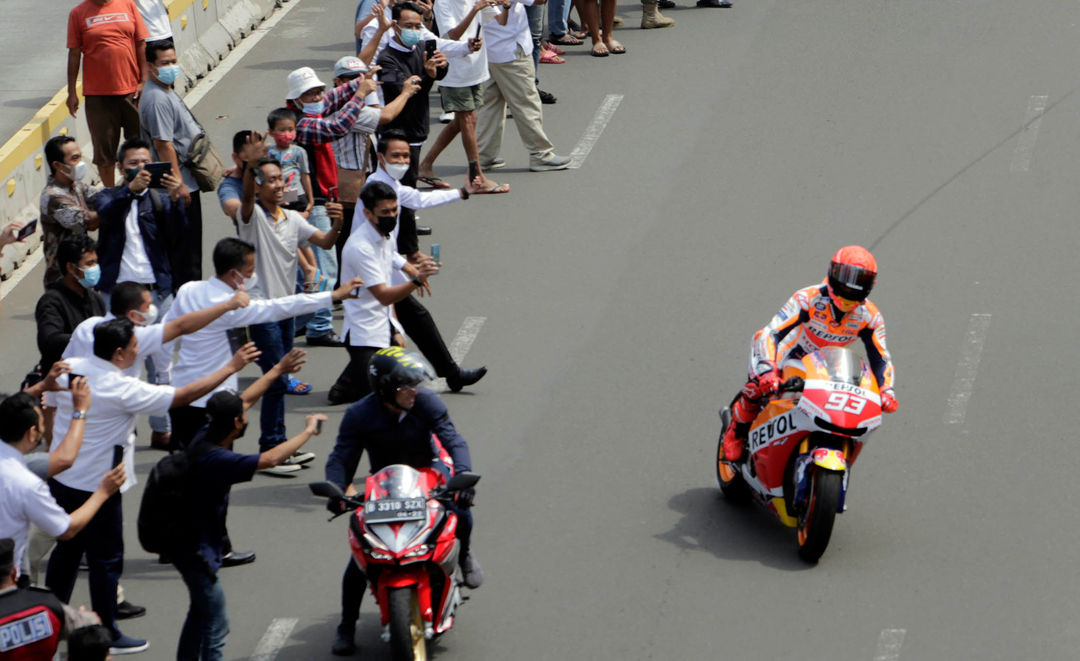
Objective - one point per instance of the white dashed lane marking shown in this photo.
(596, 127)
(463, 341)
(1025, 142)
(274, 639)
(889, 642)
(966, 369)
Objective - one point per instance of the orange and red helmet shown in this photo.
(851, 273)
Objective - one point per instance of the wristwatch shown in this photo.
(416, 281)
(78, 415)
(464, 193)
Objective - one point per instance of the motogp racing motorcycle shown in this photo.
(402, 534)
(803, 443)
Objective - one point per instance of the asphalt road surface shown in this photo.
(618, 302)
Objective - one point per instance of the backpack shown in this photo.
(165, 521)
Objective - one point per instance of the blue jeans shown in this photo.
(319, 324)
(207, 625)
(274, 339)
(536, 26)
(558, 15)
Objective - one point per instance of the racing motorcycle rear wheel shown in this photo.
(816, 522)
(407, 641)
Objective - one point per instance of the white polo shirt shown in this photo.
(408, 197)
(501, 41)
(471, 69)
(374, 258)
(81, 344)
(116, 400)
(207, 350)
(25, 499)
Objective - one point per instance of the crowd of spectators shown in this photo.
(324, 204)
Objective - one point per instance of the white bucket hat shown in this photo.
(302, 80)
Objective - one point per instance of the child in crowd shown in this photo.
(294, 161)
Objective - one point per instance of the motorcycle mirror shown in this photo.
(326, 490)
(463, 480)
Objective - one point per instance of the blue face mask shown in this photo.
(315, 108)
(91, 276)
(410, 37)
(168, 73)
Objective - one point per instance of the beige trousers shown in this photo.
(512, 84)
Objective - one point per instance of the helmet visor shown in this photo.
(851, 282)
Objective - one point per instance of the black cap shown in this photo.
(224, 405)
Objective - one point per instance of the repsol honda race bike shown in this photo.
(402, 534)
(803, 443)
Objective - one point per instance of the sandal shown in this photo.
(599, 50)
(549, 57)
(497, 189)
(297, 387)
(435, 182)
(616, 48)
(551, 47)
(565, 40)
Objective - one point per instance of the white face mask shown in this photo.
(148, 317)
(396, 170)
(76, 172)
(247, 284)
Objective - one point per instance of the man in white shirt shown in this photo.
(109, 436)
(509, 45)
(370, 255)
(462, 90)
(393, 158)
(276, 234)
(133, 301)
(24, 497)
(156, 17)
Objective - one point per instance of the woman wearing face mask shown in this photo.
(65, 201)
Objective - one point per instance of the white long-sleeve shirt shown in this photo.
(407, 197)
(207, 350)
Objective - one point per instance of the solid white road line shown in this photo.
(202, 87)
(463, 341)
(966, 368)
(888, 647)
(594, 130)
(1025, 142)
(274, 639)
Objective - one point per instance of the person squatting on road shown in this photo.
(835, 312)
(399, 422)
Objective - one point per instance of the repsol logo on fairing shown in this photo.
(775, 428)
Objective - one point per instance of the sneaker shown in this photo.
(122, 644)
(299, 458)
(331, 339)
(552, 162)
(125, 610)
(496, 164)
(282, 469)
(472, 575)
(446, 117)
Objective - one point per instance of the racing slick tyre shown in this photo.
(407, 642)
(816, 523)
(728, 478)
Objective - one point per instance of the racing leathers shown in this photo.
(808, 321)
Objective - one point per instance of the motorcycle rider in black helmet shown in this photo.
(395, 423)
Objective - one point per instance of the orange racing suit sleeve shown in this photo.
(873, 337)
(794, 312)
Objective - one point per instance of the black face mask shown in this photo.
(386, 224)
(131, 173)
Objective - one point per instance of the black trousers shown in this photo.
(187, 264)
(102, 540)
(421, 328)
(352, 383)
(407, 243)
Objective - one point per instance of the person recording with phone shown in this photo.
(14, 233)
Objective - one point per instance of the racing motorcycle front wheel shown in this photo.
(816, 521)
(407, 641)
(728, 478)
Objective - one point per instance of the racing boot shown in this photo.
(472, 575)
(735, 441)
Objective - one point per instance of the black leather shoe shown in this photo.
(423, 230)
(344, 645)
(546, 98)
(715, 4)
(665, 4)
(465, 378)
(331, 339)
(125, 610)
(336, 397)
(234, 558)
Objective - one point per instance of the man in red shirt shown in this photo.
(108, 38)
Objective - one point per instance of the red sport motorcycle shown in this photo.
(803, 443)
(403, 536)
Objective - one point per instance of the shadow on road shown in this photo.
(730, 532)
(313, 641)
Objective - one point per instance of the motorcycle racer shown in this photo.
(834, 312)
(397, 423)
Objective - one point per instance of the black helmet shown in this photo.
(393, 367)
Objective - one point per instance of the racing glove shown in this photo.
(765, 383)
(888, 401)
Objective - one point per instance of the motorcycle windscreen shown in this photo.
(838, 364)
(396, 508)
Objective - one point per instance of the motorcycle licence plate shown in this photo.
(395, 510)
